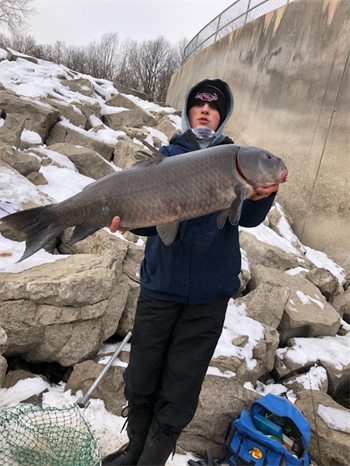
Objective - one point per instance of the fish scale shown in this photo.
(157, 191)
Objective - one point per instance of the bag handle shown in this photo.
(226, 436)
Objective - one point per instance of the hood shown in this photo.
(225, 89)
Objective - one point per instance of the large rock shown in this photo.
(19, 319)
(327, 446)
(259, 252)
(102, 242)
(127, 320)
(130, 91)
(135, 118)
(110, 389)
(22, 56)
(62, 311)
(81, 85)
(127, 255)
(342, 304)
(132, 262)
(265, 304)
(3, 341)
(3, 369)
(69, 111)
(245, 347)
(88, 109)
(37, 179)
(63, 134)
(220, 401)
(12, 377)
(330, 352)
(316, 379)
(38, 118)
(9, 54)
(138, 133)
(20, 161)
(166, 127)
(12, 187)
(124, 152)
(11, 130)
(76, 280)
(281, 223)
(306, 312)
(261, 357)
(325, 281)
(120, 100)
(87, 161)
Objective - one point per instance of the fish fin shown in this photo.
(236, 206)
(38, 225)
(145, 159)
(152, 149)
(167, 232)
(221, 218)
(81, 232)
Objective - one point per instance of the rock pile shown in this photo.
(62, 312)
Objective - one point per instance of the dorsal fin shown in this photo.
(152, 149)
(145, 159)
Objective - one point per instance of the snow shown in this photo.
(106, 426)
(16, 189)
(31, 136)
(267, 235)
(237, 324)
(306, 299)
(331, 350)
(34, 81)
(313, 380)
(158, 134)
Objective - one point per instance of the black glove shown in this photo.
(208, 462)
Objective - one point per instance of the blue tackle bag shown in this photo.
(273, 433)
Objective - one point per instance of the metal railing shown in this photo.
(234, 17)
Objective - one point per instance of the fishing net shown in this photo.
(41, 435)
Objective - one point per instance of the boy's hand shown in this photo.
(114, 226)
(260, 193)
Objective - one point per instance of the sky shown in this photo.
(78, 22)
(34, 80)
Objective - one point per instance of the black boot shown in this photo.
(158, 446)
(139, 421)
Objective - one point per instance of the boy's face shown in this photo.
(204, 114)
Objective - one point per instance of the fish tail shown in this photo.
(38, 224)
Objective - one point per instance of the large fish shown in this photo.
(157, 191)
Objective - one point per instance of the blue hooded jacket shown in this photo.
(203, 263)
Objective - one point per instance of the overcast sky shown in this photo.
(80, 21)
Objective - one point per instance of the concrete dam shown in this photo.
(289, 73)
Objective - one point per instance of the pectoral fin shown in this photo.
(168, 232)
(221, 218)
(234, 212)
(236, 207)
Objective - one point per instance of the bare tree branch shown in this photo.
(14, 15)
(151, 66)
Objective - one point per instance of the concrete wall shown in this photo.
(289, 73)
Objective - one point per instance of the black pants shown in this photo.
(172, 345)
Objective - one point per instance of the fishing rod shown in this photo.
(313, 408)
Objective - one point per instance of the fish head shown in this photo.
(260, 168)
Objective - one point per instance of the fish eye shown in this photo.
(268, 156)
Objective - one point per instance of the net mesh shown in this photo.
(42, 435)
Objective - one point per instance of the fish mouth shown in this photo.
(284, 176)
